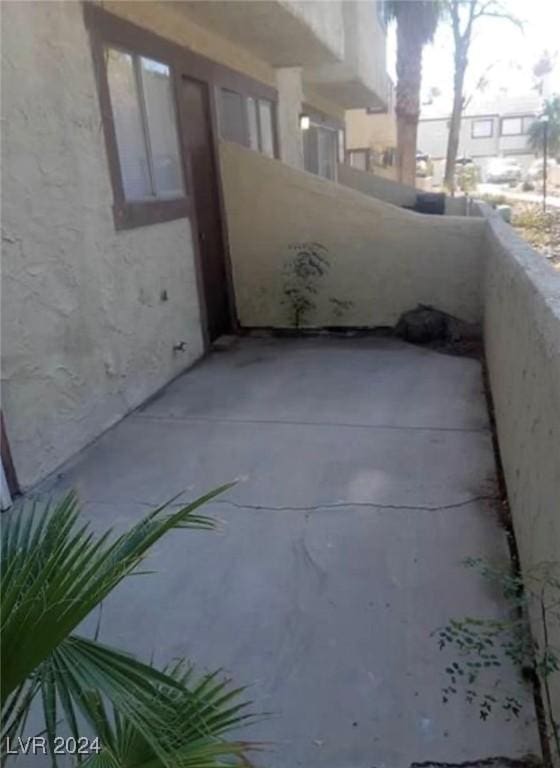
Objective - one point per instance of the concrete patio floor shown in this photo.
(368, 475)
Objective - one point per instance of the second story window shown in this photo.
(145, 127)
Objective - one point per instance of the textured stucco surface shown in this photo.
(383, 259)
(173, 21)
(522, 340)
(284, 33)
(371, 184)
(360, 80)
(86, 331)
(367, 130)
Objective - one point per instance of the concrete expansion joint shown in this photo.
(301, 423)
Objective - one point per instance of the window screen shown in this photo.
(512, 126)
(266, 129)
(481, 129)
(133, 155)
(253, 123)
(232, 118)
(162, 128)
(145, 126)
(358, 159)
(320, 148)
(327, 149)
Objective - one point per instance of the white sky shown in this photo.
(497, 44)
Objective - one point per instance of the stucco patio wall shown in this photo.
(383, 260)
(377, 186)
(522, 342)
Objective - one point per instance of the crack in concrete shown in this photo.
(364, 504)
(487, 762)
(290, 508)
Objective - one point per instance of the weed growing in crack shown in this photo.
(483, 646)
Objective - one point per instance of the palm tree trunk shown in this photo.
(409, 77)
(407, 130)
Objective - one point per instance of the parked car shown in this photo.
(503, 170)
(535, 172)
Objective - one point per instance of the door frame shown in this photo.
(6, 460)
(220, 202)
(107, 29)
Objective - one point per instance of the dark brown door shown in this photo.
(198, 140)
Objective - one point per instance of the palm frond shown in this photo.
(55, 573)
(203, 709)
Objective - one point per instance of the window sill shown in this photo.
(142, 214)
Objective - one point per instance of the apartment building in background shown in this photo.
(371, 138)
(497, 128)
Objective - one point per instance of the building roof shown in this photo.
(501, 105)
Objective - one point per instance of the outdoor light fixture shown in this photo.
(304, 122)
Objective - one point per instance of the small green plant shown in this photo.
(340, 307)
(302, 274)
(54, 572)
(483, 646)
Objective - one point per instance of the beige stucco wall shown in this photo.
(370, 131)
(522, 341)
(170, 21)
(376, 186)
(324, 19)
(359, 80)
(290, 100)
(384, 259)
(86, 335)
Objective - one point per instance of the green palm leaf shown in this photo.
(203, 710)
(54, 572)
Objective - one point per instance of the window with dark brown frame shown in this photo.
(139, 78)
(248, 120)
(136, 84)
(516, 126)
(323, 144)
(145, 126)
(482, 129)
